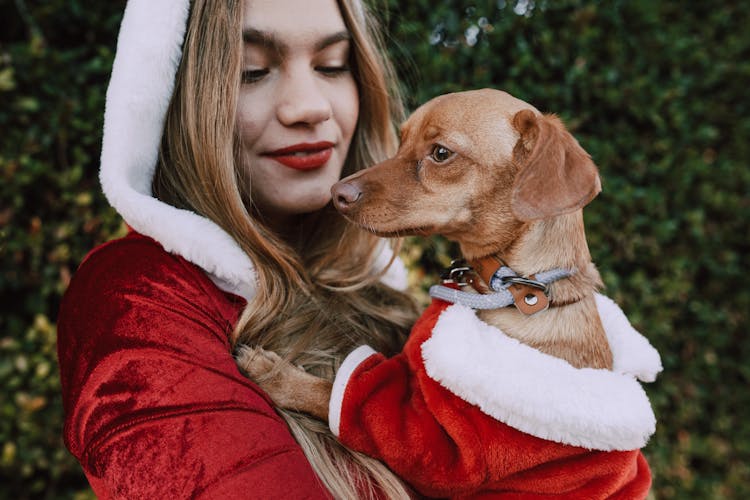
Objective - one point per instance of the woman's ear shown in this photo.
(556, 175)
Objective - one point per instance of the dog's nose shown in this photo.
(345, 194)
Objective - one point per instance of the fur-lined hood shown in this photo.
(149, 49)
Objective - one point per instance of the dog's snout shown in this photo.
(345, 194)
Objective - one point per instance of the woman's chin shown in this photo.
(285, 213)
(313, 203)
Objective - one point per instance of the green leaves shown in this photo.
(51, 212)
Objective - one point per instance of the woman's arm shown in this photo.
(155, 405)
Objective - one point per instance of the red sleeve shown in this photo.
(155, 406)
(390, 409)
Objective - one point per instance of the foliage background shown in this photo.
(655, 91)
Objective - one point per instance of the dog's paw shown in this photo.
(289, 386)
(257, 363)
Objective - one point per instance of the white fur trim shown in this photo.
(149, 49)
(632, 352)
(344, 373)
(396, 275)
(533, 392)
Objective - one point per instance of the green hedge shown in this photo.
(655, 91)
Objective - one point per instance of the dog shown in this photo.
(508, 184)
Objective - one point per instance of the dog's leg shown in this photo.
(289, 387)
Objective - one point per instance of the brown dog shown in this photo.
(489, 171)
(466, 409)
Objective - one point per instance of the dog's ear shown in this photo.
(557, 176)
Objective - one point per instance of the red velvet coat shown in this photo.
(155, 406)
(397, 410)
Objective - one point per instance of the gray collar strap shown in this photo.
(502, 295)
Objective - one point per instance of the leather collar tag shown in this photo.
(528, 299)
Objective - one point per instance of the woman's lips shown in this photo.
(303, 156)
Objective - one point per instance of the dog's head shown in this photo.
(474, 166)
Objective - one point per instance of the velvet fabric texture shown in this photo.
(445, 447)
(155, 405)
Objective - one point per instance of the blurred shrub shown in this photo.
(655, 91)
(55, 58)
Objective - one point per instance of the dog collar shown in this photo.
(498, 286)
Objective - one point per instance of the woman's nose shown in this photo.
(302, 100)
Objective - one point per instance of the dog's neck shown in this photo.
(571, 328)
(558, 242)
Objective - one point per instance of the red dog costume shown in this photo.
(465, 411)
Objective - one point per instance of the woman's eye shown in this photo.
(440, 153)
(332, 70)
(253, 75)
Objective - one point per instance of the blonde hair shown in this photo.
(319, 296)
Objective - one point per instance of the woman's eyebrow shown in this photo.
(332, 39)
(273, 42)
(258, 37)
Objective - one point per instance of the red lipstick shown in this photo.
(303, 156)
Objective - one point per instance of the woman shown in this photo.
(223, 173)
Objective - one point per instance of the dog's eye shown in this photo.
(440, 153)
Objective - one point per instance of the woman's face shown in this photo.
(298, 104)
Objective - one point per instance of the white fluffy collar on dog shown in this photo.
(149, 49)
(542, 395)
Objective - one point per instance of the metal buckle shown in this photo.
(518, 280)
(455, 273)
